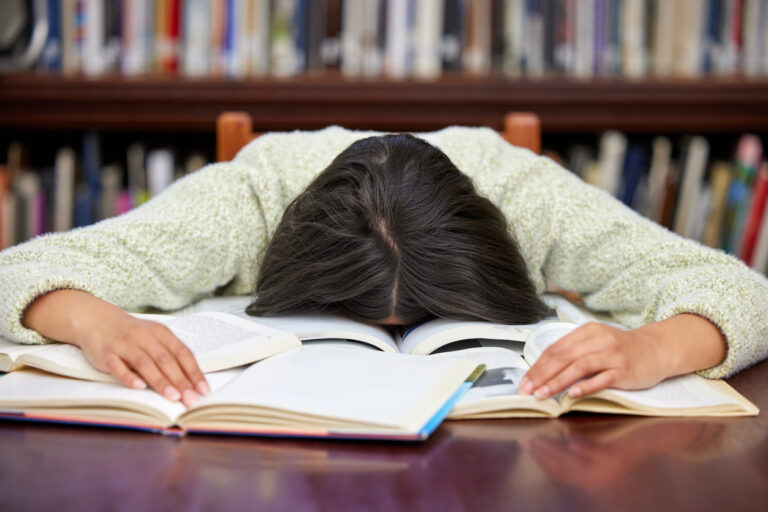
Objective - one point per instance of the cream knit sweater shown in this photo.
(205, 234)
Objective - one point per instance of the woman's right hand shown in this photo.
(137, 352)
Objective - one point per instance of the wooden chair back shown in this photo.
(235, 129)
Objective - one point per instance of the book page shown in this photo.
(9, 351)
(426, 337)
(217, 340)
(220, 340)
(543, 337)
(36, 392)
(676, 393)
(322, 326)
(318, 387)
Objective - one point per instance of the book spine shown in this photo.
(755, 214)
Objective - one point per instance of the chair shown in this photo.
(235, 129)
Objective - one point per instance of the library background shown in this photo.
(103, 103)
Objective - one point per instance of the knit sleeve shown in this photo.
(201, 234)
(584, 240)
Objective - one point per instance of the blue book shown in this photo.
(50, 59)
(636, 164)
(91, 163)
(711, 37)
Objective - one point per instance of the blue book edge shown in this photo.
(441, 413)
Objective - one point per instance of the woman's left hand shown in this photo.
(596, 356)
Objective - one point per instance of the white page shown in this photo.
(221, 341)
(316, 326)
(217, 341)
(307, 326)
(387, 390)
(543, 337)
(31, 390)
(678, 392)
(427, 337)
(9, 351)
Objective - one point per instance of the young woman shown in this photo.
(455, 223)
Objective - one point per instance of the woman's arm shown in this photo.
(202, 234)
(135, 351)
(683, 301)
(605, 356)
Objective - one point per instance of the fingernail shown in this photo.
(171, 393)
(574, 391)
(542, 392)
(202, 388)
(189, 398)
(525, 386)
(138, 384)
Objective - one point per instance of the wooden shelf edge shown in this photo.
(564, 105)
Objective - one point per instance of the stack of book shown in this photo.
(721, 203)
(401, 38)
(329, 376)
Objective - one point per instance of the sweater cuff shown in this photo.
(16, 300)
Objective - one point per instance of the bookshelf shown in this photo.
(566, 106)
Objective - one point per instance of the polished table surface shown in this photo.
(578, 462)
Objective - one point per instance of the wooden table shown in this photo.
(579, 462)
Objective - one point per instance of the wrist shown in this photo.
(687, 343)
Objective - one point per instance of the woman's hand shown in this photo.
(137, 352)
(596, 356)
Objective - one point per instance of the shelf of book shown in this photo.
(158, 103)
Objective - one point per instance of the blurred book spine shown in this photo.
(409, 38)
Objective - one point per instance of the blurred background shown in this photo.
(663, 103)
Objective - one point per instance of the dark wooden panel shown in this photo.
(579, 462)
(155, 104)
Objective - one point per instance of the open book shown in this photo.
(217, 340)
(424, 338)
(315, 391)
(495, 393)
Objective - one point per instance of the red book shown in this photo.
(172, 62)
(755, 214)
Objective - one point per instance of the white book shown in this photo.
(633, 44)
(495, 394)
(584, 64)
(308, 392)
(217, 340)
(613, 147)
(398, 39)
(352, 22)
(64, 189)
(160, 170)
(196, 36)
(428, 31)
(693, 176)
(93, 41)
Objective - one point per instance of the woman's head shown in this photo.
(392, 232)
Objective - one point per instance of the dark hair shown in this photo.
(392, 227)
